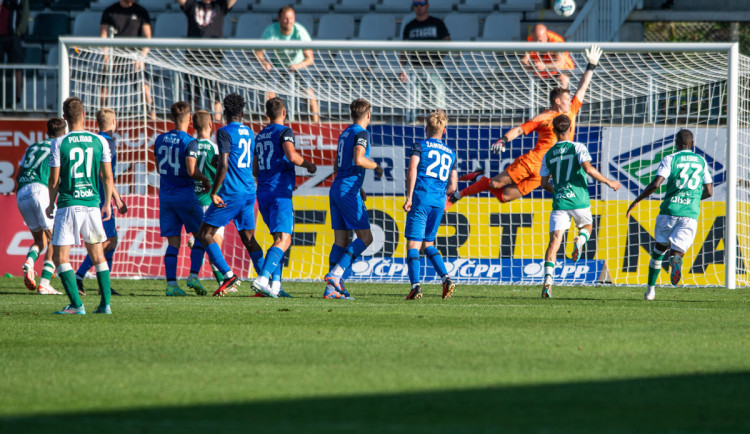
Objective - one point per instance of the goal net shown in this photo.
(640, 96)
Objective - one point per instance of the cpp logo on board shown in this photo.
(636, 168)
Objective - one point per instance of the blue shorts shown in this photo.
(110, 226)
(240, 208)
(173, 215)
(348, 212)
(277, 212)
(422, 222)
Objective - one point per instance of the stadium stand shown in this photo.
(307, 21)
(170, 25)
(267, 6)
(462, 27)
(47, 26)
(522, 5)
(336, 26)
(394, 6)
(404, 21)
(251, 26)
(377, 27)
(154, 6)
(68, 5)
(356, 6)
(502, 27)
(317, 6)
(476, 6)
(437, 6)
(242, 6)
(87, 24)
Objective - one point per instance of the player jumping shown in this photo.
(522, 176)
(432, 168)
(275, 159)
(32, 197)
(688, 182)
(567, 163)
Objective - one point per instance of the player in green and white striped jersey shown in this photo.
(688, 182)
(32, 197)
(77, 161)
(205, 159)
(567, 163)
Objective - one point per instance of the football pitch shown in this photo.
(490, 359)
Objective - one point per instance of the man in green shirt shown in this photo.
(688, 182)
(77, 161)
(32, 197)
(294, 60)
(567, 163)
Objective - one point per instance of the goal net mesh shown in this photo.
(635, 105)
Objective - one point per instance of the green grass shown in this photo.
(491, 359)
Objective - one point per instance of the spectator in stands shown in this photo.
(425, 66)
(548, 65)
(126, 19)
(295, 61)
(14, 20)
(205, 20)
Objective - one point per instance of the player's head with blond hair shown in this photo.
(73, 111)
(234, 107)
(180, 112)
(55, 127)
(202, 124)
(275, 108)
(561, 126)
(435, 124)
(558, 97)
(105, 119)
(684, 139)
(359, 109)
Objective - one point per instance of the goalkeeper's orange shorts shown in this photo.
(524, 176)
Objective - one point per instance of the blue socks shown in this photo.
(276, 276)
(108, 257)
(272, 261)
(412, 257)
(258, 262)
(196, 257)
(216, 258)
(334, 256)
(433, 254)
(85, 267)
(170, 263)
(355, 249)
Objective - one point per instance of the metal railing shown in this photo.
(28, 88)
(600, 20)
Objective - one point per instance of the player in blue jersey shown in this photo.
(232, 193)
(274, 166)
(346, 198)
(176, 154)
(432, 175)
(107, 122)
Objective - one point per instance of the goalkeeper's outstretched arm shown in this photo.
(593, 55)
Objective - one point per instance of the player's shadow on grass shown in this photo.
(681, 404)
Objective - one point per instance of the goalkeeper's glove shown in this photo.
(499, 146)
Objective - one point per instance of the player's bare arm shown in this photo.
(295, 158)
(221, 172)
(191, 163)
(53, 183)
(453, 184)
(708, 191)
(365, 163)
(593, 55)
(307, 61)
(499, 145)
(411, 181)
(108, 184)
(122, 208)
(648, 191)
(546, 186)
(592, 172)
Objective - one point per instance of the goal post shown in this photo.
(640, 96)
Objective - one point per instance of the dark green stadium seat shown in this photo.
(33, 55)
(70, 5)
(38, 5)
(47, 27)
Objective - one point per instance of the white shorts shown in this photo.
(679, 232)
(559, 220)
(220, 230)
(33, 200)
(74, 223)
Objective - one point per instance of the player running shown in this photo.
(206, 156)
(567, 163)
(688, 182)
(275, 159)
(107, 123)
(32, 197)
(77, 161)
(522, 176)
(347, 198)
(432, 168)
(232, 193)
(176, 155)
